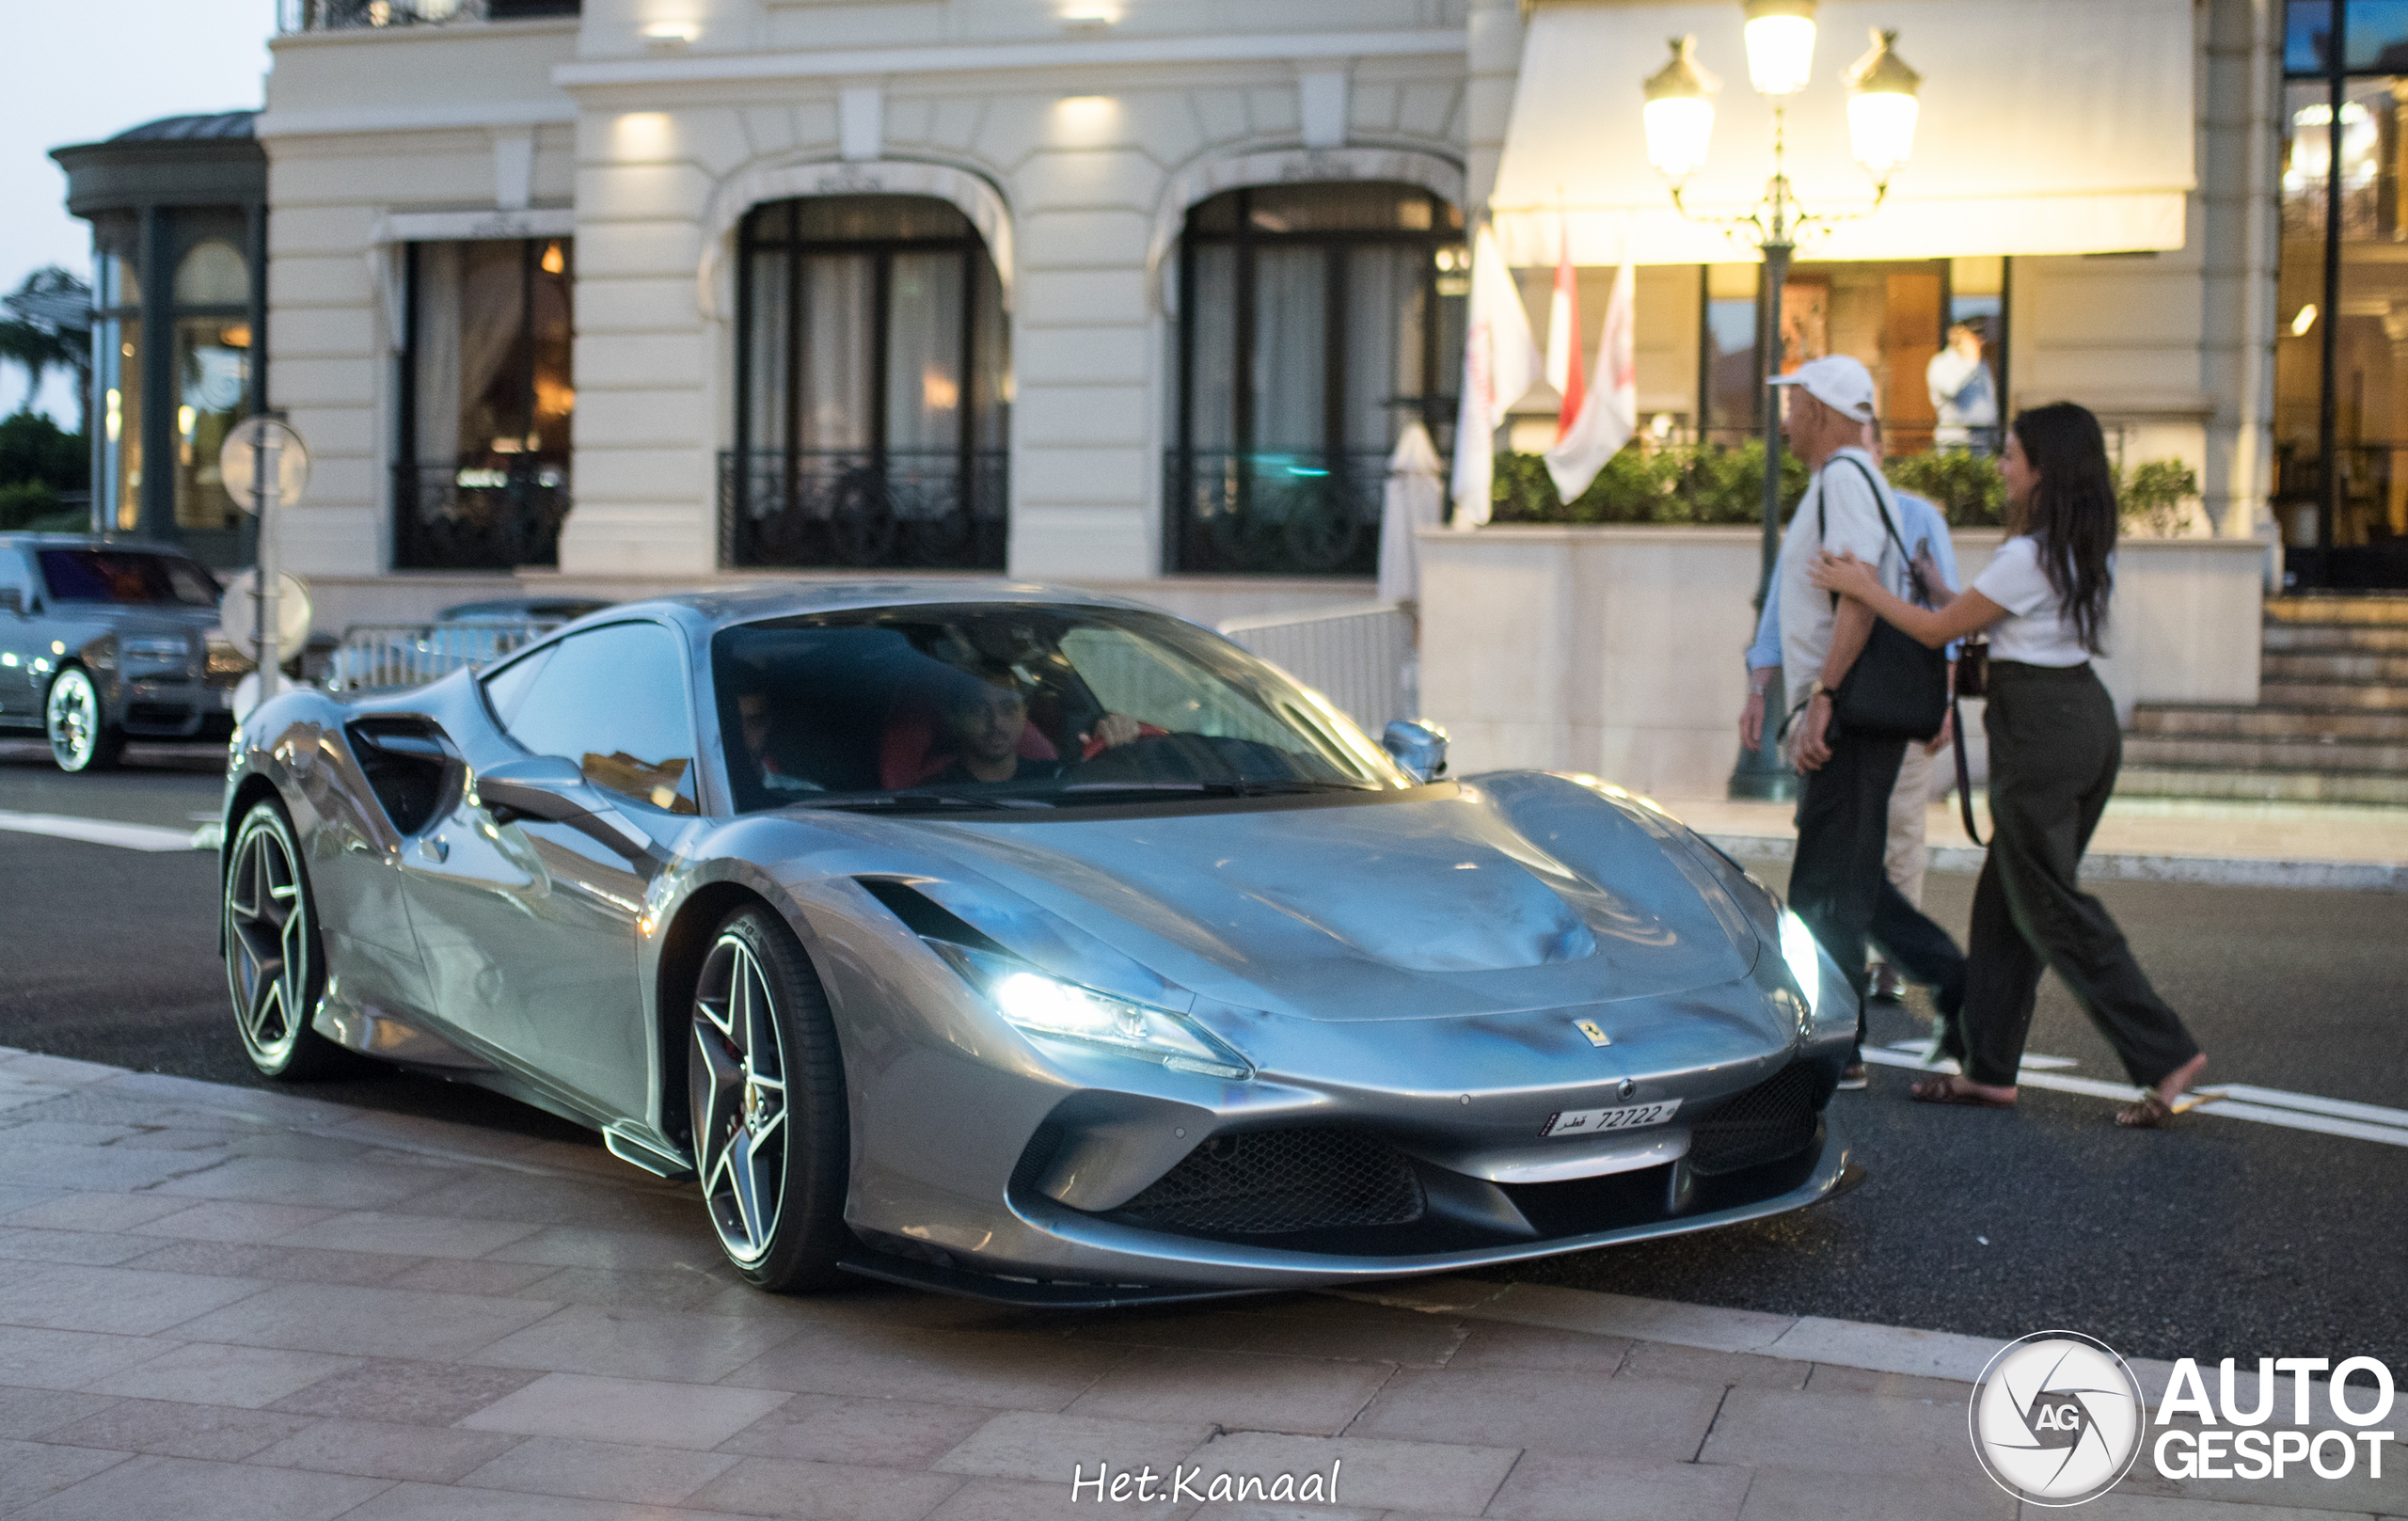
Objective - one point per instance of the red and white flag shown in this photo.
(1610, 414)
(1563, 364)
(1500, 362)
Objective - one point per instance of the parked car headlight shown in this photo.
(1804, 955)
(1042, 1005)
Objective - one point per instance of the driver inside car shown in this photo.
(986, 712)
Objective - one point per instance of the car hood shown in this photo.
(1521, 891)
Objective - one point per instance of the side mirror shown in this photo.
(13, 599)
(1418, 746)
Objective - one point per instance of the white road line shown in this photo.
(104, 832)
(2033, 1062)
(2233, 1100)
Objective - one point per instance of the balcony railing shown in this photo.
(343, 15)
(475, 516)
(1271, 513)
(929, 510)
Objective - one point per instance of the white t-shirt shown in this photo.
(2035, 630)
(1843, 501)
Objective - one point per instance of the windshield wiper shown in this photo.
(1236, 787)
(920, 802)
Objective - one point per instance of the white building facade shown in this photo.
(1122, 292)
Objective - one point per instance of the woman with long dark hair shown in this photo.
(2054, 749)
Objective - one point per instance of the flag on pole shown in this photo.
(1563, 358)
(1500, 361)
(1610, 415)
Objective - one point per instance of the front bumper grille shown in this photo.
(1774, 1120)
(1264, 1182)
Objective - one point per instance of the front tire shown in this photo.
(72, 718)
(273, 965)
(766, 1085)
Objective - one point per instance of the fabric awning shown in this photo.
(2047, 127)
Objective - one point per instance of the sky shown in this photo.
(86, 70)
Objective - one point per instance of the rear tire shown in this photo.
(275, 967)
(72, 721)
(765, 1087)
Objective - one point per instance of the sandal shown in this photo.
(2146, 1113)
(1944, 1089)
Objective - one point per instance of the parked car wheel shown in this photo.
(767, 1091)
(273, 965)
(79, 740)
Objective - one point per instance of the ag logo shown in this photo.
(2057, 1419)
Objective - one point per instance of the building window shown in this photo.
(1314, 323)
(873, 388)
(1932, 331)
(2341, 306)
(213, 376)
(116, 383)
(483, 478)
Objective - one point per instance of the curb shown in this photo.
(2216, 871)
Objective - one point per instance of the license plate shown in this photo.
(1590, 1122)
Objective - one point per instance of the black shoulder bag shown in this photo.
(1898, 687)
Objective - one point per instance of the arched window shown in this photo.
(212, 289)
(873, 383)
(1314, 322)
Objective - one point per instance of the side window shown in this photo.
(614, 702)
(14, 573)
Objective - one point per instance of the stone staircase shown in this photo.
(2330, 724)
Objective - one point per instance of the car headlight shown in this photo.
(1804, 955)
(1042, 1004)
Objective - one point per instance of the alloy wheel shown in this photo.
(267, 941)
(71, 716)
(739, 1098)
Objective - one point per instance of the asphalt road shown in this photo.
(2215, 1238)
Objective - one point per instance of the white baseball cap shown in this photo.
(1838, 382)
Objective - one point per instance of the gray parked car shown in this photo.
(1027, 944)
(103, 640)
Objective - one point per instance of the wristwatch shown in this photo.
(1815, 688)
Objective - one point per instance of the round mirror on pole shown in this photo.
(238, 460)
(1680, 113)
(238, 620)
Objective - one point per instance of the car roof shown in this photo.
(91, 541)
(721, 608)
(527, 607)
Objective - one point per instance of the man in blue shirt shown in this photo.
(1900, 931)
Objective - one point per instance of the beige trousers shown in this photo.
(1905, 858)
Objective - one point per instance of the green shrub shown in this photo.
(2155, 498)
(1965, 486)
(22, 502)
(33, 448)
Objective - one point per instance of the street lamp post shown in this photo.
(1881, 112)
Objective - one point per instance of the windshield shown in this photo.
(1013, 705)
(126, 575)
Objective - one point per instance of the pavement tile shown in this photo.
(376, 1127)
(1498, 1344)
(1013, 1500)
(33, 1471)
(1830, 1378)
(2118, 1506)
(1844, 1433)
(64, 1071)
(1385, 1335)
(389, 1322)
(1624, 1419)
(496, 1194)
(451, 1275)
(406, 1235)
(68, 1133)
(155, 1089)
(1366, 1471)
(1255, 1390)
(323, 1185)
(179, 1430)
(1220, 1511)
(1890, 1348)
(442, 1502)
(1019, 1444)
(31, 1412)
(204, 1372)
(289, 1264)
(1645, 1319)
(595, 1339)
(682, 1290)
(585, 1246)
(69, 1359)
(824, 1491)
(1567, 1486)
(189, 1490)
(92, 1248)
(642, 1411)
(181, 1139)
(380, 1449)
(601, 1471)
(124, 1301)
(964, 1368)
(2301, 1485)
(230, 1221)
(398, 1391)
(99, 1169)
(15, 1197)
(1696, 1365)
(894, 1434)
(95, 1212)
(1786, 1494)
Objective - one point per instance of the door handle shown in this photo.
(436, 848)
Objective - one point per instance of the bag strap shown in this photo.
(1964, 771)
(1906, 559)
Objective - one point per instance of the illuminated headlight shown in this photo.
(1804, 956)
(1040, 1004)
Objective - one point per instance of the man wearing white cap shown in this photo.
(1844, 814)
